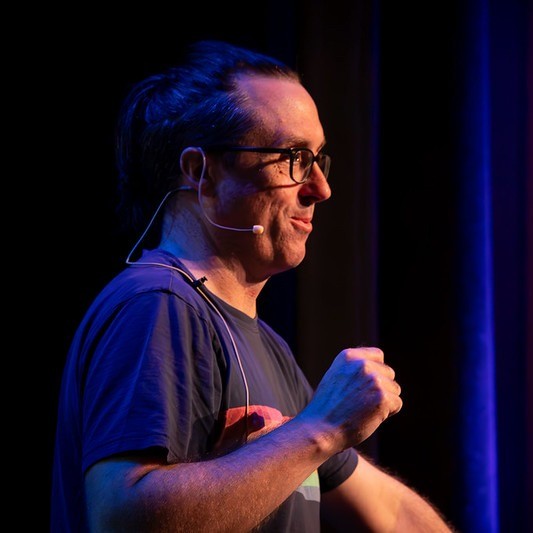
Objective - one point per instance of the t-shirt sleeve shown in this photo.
(337, 469)
(155, 379)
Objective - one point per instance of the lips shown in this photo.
(303, 223)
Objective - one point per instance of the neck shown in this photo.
(227, 279)
(187, 236)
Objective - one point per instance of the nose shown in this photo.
(316, 188)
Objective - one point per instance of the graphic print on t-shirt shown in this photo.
(260, 420)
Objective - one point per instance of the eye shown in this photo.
(284, 157)
(297, 157)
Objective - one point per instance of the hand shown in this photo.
(356, 394)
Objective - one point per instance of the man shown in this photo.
(180, 409)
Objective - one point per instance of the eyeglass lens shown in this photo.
(303, 161)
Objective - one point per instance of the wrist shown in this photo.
(320, 436)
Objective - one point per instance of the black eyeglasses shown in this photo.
(301, 159)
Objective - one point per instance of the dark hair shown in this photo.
(195, 103)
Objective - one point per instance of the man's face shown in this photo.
(257, 189)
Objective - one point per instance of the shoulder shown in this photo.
(148, 287)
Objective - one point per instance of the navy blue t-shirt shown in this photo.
(153, 364)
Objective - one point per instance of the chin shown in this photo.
(290, 261)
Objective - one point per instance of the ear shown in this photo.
(193, 164)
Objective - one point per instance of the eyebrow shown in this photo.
(300, 142)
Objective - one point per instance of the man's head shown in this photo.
(240, 130)
(267, 180)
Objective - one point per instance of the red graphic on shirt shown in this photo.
(239, 427)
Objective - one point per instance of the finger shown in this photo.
(384, 380)
(396, 403)
(365, 352)
(373, 366)
(388, 371)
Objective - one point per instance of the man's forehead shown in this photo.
(283, 110)
(270, 88)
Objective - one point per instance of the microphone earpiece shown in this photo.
(257, 229)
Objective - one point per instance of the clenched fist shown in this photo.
(356, 394)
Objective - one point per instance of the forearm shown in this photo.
(376, 501)
(409, 511)
(233, 493)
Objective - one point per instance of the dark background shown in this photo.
(383, 265)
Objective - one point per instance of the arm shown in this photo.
(236, 491)
(376, 501)
(230, 493)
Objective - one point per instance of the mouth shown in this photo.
(302, 223)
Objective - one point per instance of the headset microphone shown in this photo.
(256, 229)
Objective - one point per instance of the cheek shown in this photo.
(271, 205)
(235, 196)
(273, 174)
(282, 171)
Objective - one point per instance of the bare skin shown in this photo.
(235, 492)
